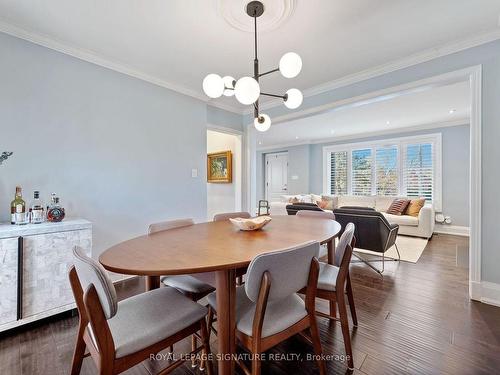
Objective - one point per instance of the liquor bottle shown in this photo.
(37, 210)
(18, 208)
(55, 212)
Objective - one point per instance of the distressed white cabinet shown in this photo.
(34, 270)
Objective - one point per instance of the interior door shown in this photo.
(276, 176)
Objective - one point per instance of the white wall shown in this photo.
(119, 151)
(224, 197)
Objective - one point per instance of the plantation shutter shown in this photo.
(361, 175)
(338, 173)
(418, 170)
(386, 171)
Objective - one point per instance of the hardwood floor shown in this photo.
(417, 319)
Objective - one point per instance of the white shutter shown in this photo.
(418, 170)
(338, 173)
(386, 171)
(361, 172)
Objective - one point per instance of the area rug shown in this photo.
(410, 248)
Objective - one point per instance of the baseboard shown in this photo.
(452, 229)
(490, 293)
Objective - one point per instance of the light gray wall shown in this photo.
(455, 168)
(487, 55)
(220, 117)
(119, 151)
(298, 166)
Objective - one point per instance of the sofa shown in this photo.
(421, 226)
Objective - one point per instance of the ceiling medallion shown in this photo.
(247, 89)
(234, 13)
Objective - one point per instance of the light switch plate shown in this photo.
(194, 172)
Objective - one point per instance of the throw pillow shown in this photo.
(332, 202)
(415, 206)
(398, 206)
(322, 204)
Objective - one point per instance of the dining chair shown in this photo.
(268, 308)
(188, 285)
(334, 282)
(119, 335)
(321, 215)
(233, 215)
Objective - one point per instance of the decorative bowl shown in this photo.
(254, 223)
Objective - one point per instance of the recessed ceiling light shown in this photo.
(260, 142)
(332, 131)
(388, 123)
(296, 137)
(452, 111)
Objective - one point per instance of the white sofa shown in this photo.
(421, 226)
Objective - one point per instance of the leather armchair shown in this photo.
(373, 231)
(292, 209)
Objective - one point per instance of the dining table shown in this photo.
(217, 247)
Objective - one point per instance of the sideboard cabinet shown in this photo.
(34, 264)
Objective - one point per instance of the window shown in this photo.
(338, 172)
(386, 171)
(409, 166)
(361, 171)
(418, 171)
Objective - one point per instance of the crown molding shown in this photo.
(351, 137)
(415, 59)
(92, 57)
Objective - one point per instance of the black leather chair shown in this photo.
(293, 208)
(373, 231)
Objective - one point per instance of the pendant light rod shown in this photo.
(269, 72)
(284, 97)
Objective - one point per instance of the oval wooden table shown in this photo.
(218, 247)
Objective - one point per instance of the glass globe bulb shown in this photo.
(293, 98)
(213, 85)
(228, 83)
(247, 90)
(290, 65)
(262, 123)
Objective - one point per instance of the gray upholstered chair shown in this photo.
(188, 285)
(268, 308)
(120, 335)
(334, 283)
(323, 251)
(231, 215)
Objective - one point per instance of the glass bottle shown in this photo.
(37, 210)
(18, 208)
(55, 212)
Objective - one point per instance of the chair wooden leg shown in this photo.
(256, 364)
(333, 309)
(171, 349)
(350, 297)
(318, 350)
(345, 328)
(79, 351)
(206, 362)
(210, 320)
(193, 348)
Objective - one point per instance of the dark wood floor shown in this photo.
(417, 319)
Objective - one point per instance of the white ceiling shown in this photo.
(427, 106)
(175, 43)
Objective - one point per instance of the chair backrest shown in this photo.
(91, 272)
(317, 214)
(289, 270)
(345, 240)
(372, 228)
(169, 224)
(231, 215)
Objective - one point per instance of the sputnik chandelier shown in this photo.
(247, 89)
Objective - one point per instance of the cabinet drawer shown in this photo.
(47, 259)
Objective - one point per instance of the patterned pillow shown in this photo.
(322, 204)
(398, 206)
